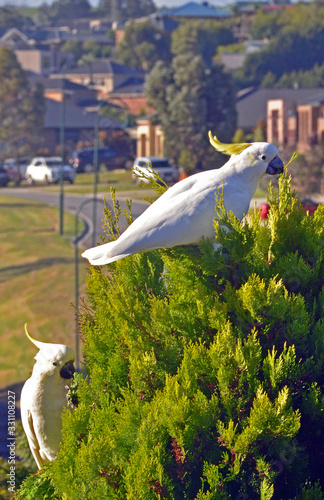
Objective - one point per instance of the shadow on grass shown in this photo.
(13, 271)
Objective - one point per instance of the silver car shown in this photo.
(168, 173)
(49, 170)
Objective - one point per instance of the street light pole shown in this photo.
(96, 173)
(62, 133)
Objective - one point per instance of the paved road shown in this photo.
(72, 203)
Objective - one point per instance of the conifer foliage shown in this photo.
(205, 369)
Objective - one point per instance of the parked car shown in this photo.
(42, 169)
(162, 166)
(16, 171)
(4, 177)
(83, 159)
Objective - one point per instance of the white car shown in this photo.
(49, 169)
(162, 166)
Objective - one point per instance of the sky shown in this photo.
(158, 3)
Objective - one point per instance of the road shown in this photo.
(73, 202)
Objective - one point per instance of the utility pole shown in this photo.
(62, 133)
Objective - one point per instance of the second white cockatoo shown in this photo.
(43, 398)
(185, 212)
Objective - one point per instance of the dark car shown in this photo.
(83, 159)
(16, 171)
(4, 177)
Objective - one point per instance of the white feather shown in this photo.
(43, 398)
(185, 212)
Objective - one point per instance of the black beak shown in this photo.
(275, 166)
(67, 371)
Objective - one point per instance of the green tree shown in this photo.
(143, 45)
(11, 18)
(205, 373)
(190, 99)
(22, 110)
(301, 32)
(200, 38)
(64, 9)
(74, 46)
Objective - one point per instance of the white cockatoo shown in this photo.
(185, 212)
(43, 398)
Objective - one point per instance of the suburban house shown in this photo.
(78, 125)
(55, 88)
(131, 95)
(193, 10)
(149, 138)
(294, 116)
(104, 75)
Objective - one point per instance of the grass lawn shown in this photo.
(36, 283)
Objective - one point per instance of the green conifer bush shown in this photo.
(204, 368)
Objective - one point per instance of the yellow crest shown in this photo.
(227, 149)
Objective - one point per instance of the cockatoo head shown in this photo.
(53, 359)
(260, 157)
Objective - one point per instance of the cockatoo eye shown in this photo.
(55, 364)
(263, 157)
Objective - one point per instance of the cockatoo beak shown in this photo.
(67, 371)
(275, 166)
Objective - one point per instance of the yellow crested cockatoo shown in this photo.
(43, 398)
(185, 212)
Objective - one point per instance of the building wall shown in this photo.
(150, 139)
(31, 60)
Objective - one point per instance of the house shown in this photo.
(42, 60)
(301, 124)
(235, 60)
(196, 11)
(104, 75)
(294, 116)
(149, 138)
(78, 125)
(74, 93)
(131, 95)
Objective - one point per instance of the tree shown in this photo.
(200, 38)
(205, 372)
(64, 9)
(190, 99)
(143, 45)
(21, 110)
(301, 32)
(11, 18)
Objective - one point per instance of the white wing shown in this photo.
(182, 215)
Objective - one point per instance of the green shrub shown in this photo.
(205, 369)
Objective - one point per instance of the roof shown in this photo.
(55, 83)
(252, 106)
(133, 85)
(75, 118)
(104, 66)
(196, 10)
